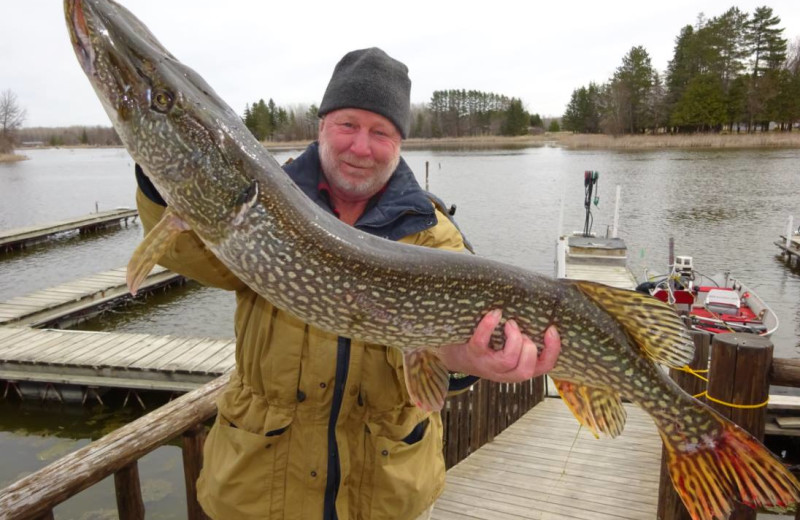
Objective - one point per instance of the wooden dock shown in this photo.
(78, 300)
(602, 260)
(23, 237)
(790, 249)
(546, 467)
(105, 359)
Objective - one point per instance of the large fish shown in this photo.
(221, 183)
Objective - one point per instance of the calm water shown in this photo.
(725, 208)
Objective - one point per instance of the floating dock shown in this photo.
(603, 260)
(113, 360)
(76, 301)
(23, 237)
(790, 248)
(546, 466)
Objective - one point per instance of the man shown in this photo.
(314, 426)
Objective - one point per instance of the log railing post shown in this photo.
(193, 441)
(739, 375)
(129, 493)
(670, 506)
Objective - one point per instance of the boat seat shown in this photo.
(722, 301)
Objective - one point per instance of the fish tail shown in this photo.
(712, 475)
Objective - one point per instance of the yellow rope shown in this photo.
(731, 405)
(696, 373)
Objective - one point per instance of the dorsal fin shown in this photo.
(653, 325)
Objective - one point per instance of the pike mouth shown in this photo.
(80, 35)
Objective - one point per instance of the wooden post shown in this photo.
(491, 415)
(193, 441)
(129, 493)
(670, 506)
(739, 374)
(426, 176)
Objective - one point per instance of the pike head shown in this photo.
(192, 146)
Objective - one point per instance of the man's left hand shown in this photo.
(518, 360)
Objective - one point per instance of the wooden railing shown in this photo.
(471, 419)
(35, 496)
(740, 371)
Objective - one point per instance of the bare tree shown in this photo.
(11, 118)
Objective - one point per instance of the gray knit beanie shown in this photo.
(372, 80)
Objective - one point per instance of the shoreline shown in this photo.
(757, 141)
(771, 140)
(11, 157)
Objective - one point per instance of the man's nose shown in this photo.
(361, 143)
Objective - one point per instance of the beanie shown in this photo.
(370, 79)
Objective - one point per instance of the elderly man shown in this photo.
(314, 426)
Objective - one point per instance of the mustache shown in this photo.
(356, 161)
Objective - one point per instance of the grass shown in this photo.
(593, 141)
(10, 157)
(642, 142)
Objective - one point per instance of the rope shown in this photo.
(731, 405)
(696, 373)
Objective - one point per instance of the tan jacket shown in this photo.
(267, 455)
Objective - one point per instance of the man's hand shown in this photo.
(519, 360)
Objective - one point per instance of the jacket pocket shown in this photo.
(408, 473)
(243, 472)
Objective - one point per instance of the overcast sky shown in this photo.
(286, 50)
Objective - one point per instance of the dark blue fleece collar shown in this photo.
(401, 210)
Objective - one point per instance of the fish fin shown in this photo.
(654, 326)
(712, 476)
(598, 409)
(155, 244)
(427, 378)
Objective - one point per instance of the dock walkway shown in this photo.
(22, 237)
(106, 359)
(546, 467)
(74, 301)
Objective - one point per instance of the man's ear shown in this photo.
(321, 123)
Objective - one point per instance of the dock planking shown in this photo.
(115, 360)
(77, 300)
(22, 237)
(546, 466)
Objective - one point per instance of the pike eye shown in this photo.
(162, 101)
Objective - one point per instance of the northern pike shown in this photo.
(221, 183)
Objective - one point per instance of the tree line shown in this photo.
(450, 113)
(734, 72)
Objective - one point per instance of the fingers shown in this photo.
(552, 347)
(483, 332)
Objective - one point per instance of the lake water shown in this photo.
(724, 208)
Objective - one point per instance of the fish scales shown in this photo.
(229, 190)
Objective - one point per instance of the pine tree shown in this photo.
(635, 78)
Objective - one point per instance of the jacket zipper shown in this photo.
(334, 469)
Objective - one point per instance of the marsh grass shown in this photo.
(10, 157)
(694, 141)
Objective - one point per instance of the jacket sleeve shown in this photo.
(188, 256)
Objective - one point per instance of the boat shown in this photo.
(717, 304)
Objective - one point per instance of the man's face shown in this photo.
(359, 150)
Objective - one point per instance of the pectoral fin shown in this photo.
(427, 379)
(598, 409)
(155, 244)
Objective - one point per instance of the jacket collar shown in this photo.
(401, 209)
